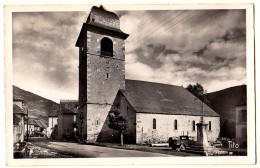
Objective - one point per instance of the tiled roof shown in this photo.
(68, 107)
(66, 111)
(17, 109)
(31, 122)
(54, 113)
(40, 124)
(149, 97)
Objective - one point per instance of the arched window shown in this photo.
(154, 123)
(193, 125)
(106, 47)
(175, 125)
(209, 125)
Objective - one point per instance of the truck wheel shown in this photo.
(182, 147)
(173, 147)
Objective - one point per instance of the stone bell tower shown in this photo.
(101, 46)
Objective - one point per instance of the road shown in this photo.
(68, 149)
(91, 151)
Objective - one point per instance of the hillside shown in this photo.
(224, 103)
(38, 106)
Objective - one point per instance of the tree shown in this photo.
(117, 122)
(198, 91)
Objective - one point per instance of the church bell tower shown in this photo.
(101, 46)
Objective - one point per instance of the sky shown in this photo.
(177, 47)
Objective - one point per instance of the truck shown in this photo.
(182, 142)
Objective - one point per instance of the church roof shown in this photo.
(100, 16)
(149, 97)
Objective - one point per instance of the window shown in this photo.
(175, 125)
(209, 125)
(107, 76)
(106, 47)
(127, 108)
(97, 122)
(242, 116)
(193, 126)
(154, 123)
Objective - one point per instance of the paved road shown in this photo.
(90, 151)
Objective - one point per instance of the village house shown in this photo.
(241, 122)
(67, 119)
(53, 120)
(18, 120)
(154, 111)
(231, 105)
(32, 127)
(36, 127)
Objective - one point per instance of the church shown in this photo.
(154, 111)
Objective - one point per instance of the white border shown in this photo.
(250, 159)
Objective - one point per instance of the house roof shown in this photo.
(16, 98)
(31, 122)
(68, 106)
(53, 113)
(149, 97)
(40, 123)
(17, 109)
(67, 111)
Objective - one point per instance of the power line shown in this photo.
(146, 24)
(156, 29)
(171, 26)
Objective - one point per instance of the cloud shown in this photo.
(44, 49)
(175, 47)
(207, 46)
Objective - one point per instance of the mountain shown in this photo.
(38, 106)
(224, 102)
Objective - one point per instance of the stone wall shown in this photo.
(98, 89)
(165, 127)
(68, 121)
(126, 110)
(60, 125)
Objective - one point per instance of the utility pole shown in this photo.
(27, 125)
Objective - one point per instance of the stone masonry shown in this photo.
(100, 77)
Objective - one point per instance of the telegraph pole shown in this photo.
(27, 125)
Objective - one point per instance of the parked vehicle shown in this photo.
(217, 144)
(182, 142)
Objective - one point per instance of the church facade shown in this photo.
(154, 111)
